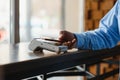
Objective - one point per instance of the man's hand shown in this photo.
(67, 38)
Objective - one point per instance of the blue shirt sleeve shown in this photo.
(106, 36)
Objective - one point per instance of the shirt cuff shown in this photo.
(80, 40)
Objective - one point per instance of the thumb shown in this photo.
(72, 45)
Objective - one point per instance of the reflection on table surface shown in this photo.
(14, 53)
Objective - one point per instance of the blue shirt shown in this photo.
(106, 36)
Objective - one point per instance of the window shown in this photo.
(40, 18)
(36, 18)
(4, 21)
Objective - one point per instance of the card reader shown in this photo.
(47, 44)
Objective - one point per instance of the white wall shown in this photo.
(74, 15)
(81, 15)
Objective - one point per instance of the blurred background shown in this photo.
(45, 18)
(38, 18)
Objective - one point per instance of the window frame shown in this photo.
(14, 22)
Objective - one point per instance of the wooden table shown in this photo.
(18, 62)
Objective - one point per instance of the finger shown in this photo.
(72, 43)
(62, 36)
(68, 44)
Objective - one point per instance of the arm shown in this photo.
(106, 36)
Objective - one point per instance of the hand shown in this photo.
(67, 38)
